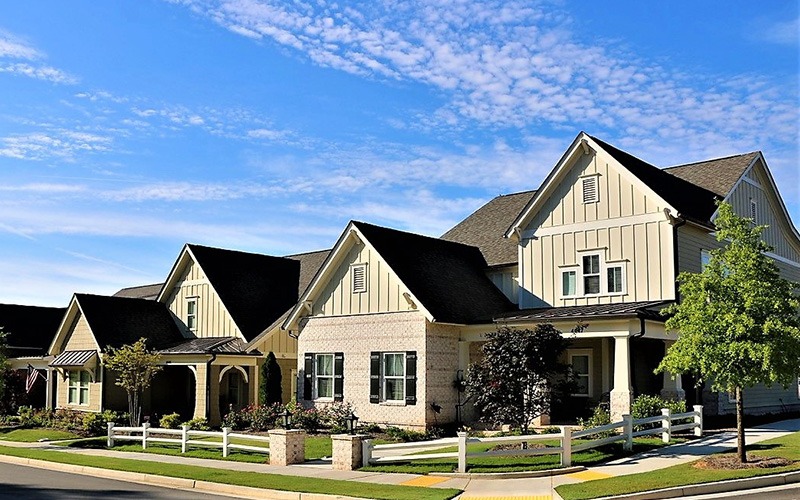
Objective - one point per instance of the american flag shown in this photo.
(33, 374)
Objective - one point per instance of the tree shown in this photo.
(135, 367)
(3, 362)
(519, 374)
(269, 390)
(738, 319)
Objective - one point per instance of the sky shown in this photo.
(130, 128)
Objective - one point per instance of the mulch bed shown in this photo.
(730, 461)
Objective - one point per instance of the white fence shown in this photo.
(623, 431)
(183, 436)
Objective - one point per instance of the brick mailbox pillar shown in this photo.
(287, 446)
(348, 451)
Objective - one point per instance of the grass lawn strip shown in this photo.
(34, 435)
(240, 478)
(686, 474)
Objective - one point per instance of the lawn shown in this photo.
(33, 435)
(252, 479)
(515, 463)
(316, 448)
(685, 474)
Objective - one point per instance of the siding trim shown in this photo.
(596, 224)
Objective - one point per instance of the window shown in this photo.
(324, 376)
(78, 391)
(569, 283)
(394, 376)
(705, 258)
(591, 274)
(614, 279)
(754, 210)
(589, 187)
(580, 361)
(359, 274)
(191, 313)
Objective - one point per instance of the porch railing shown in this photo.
(569, 441)
(184, 436)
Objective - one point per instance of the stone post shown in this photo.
(348, 451)
(287, 446)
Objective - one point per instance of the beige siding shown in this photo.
(384, 290)
(62, 395)
(279, 342)
(213, 319)
(761, 399)
(80, 337)
(507, 281)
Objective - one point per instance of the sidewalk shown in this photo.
(523, 488)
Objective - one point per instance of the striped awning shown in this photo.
(74, 358)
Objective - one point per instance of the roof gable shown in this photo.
(29, 329)
(717, 175)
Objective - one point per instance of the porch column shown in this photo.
(672, 388)
(48, 391)
(200, 400)
(622, 393)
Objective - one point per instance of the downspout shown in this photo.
(676, 223)
(208, 384)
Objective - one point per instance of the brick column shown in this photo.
(287, 446)
(347, 451)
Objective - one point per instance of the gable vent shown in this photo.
(753, 210)
(359, 278)
(589, 189)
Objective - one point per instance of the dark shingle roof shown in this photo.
(141, 292)
(692, 202)
(718, 175)
(256, 289)
(448, 278)
(485, 228)
(310, 262)
(219, 345)
(649, 309)
(116, 321)
(30, 329)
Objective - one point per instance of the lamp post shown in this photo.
(352, 423)
(287, 419)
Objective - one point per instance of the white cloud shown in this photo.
(780, 32)
(38, 72)
(64, 144)
(14, 48)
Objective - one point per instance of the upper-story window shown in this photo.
(705, 258)
(359, 278)
(191, 313)
(569, 283)
(593, 276)
(589, 189)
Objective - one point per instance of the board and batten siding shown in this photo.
(279, 342)
(507, 280)
(384, 291)
(627, 224)
(213, 319)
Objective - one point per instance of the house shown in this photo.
(392, 319)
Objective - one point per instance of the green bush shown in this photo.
(406, 436)
(335, 415)
(650, 406)
(198, 424)
(96, 424)
(171, 421)
(600, 416)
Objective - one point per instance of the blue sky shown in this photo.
(130, 128)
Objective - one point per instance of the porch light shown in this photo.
(287, 419)
(352, 423)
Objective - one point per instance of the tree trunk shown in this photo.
(740, 442)
(131, 411)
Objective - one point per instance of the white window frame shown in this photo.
(575, 292)
(599, 274)
(356, 268)
(622, 277)
(705, 258)
(594, 178)
(588, 353)
(191, 318)
(602, 274)
(317, 376)
(385, 377)
(79, 386)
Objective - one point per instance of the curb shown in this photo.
(708, 488)
(510, 475)
(173, 482)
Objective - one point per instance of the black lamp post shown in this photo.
(352, 423)
(287, 419)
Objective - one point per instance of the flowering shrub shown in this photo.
(254, 417)
(86, 423)
(264, 417)
(335, 416)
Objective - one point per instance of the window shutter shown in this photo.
(338, 376)
(374, 377)
(411, 377)
(308, 376)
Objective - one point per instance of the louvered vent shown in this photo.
(754, 210)
(359, 278)
(590, 189)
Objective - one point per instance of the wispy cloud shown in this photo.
(14, 48)
(780, 32)
(64, 144)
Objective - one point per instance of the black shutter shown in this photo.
(308, 376)
(411, 377)
(374, 377)
(338, 376)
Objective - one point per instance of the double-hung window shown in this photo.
(394, 376)
(614, 279)
(191, 313)
(569, 283)
(78, 388)
(324, 376)
(591, 274)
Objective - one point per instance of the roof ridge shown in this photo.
(307, 253)
(438, 240)
(230, 250)
(711, 159)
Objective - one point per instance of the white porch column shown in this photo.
(48, 391)
(673, 388)
(622, 392)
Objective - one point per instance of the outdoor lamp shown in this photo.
(287, 419)
(352, 423)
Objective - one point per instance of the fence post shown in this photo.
(666, 425)
(184, 437)
(698, 420)
(225, 439)
(145, 427)
(366, 452)
(627, 429)
(462, 452)
(566, 446)
(110, 434)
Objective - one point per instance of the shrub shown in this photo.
(96, 424)
(198, 424)
(171, 421)
(600, 416)
(649, 406)
(335, 415)
(404, 435)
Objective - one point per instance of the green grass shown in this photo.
(316, 448)
(33, 435)
(252, 479)
(685, 474)
(506, 463)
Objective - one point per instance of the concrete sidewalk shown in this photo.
(475, 488)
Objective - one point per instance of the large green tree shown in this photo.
(737, 320)
(3, 361)
(515, 380)
(269, 391)
(134, 366)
